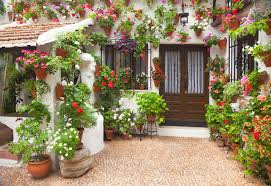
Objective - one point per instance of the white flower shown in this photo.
(79, 51)
(70, 136)
(66, 154)
(77, 67)
(129, 119)
(65, 133)
(71, 83)
(64, 82)
(76, 43)
(68, 124)
(132, 124)
(70, 148)
(120, 102)
(60, 152)
(61, 157)
(65, 144)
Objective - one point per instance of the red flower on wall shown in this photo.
(75, 105)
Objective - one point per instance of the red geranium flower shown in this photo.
(226, 121)
(112, 73)
(256, 135)
(236, 1)
(80, 110)
(104, 83)
(105, 78)
(111, 84)
(234, 11)
(220, 103)
(75, 105)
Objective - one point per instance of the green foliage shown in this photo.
(40, 86)
(216, 90)
(152, 103)
(125, 121)
(109, 119)
(232, 90)
(253, 78)
(98, 38)
(216, 65)
(2, 7)
(140, 118)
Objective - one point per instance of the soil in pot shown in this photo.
(157, 83)
(151, 118)
(40, 169)
(61, 52)
(109, 134)
(125, 136)
(220, 142)
(40, 73)
(80, 144)
(59, 91)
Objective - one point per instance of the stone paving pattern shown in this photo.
(157, 161)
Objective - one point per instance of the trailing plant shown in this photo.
(232, 90)
(2, 7)
(152, 103)
(216, 89)
(182, 36)
(259, 51)
(106, 18)
(41, 87)
(98, 38)
(216, 65)
(211, 39)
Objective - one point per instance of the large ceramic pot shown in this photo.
(59, 89)
(40, 169)
(151, 118)
(80, 133)
(40, 73)
(109, 134)
(61, 52)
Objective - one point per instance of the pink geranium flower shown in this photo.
(261, 98)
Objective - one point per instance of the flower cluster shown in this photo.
(216, 88)
(106, 18)
(157, 74)
(246, 84)
(125, 120)
(33, 59)
(125, 28)
(211, 39)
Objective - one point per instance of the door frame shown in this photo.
(186, 48)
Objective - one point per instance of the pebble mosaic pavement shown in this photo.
(158, 161)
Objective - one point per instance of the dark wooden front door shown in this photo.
(186, 85)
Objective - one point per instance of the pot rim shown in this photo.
(48, 158)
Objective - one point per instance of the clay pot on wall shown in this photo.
(234, 25)
(151, 118)
(109, 134)
(222, 43)
(80, 144)
(157, 83)
(107, 31)
(61, 52)
(40, 169)
(59, 89)
(40, 73)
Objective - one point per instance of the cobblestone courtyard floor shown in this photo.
(157, 161)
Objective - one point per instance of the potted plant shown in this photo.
(37, 61)
(141, 80)
(32, 139)
(232, 91)
(106, 20)
(198, 28)
(182, 36)
(36, 87)
(157, 76)
(125, 27)
(76, 110)
(153, 105)
(231, 21)
(216, 89)
(109, 123)
(262, 52)
(125, 121)
(216, 65)
(140, 119)
(211, 39)
(169, 29)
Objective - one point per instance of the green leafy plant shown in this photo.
(110, 118)
(232, 90)
(211, 39)
(98, 38)
(182, 36)
(216, 65)
(152, 103)
(216, 89)
(40, 86)
(125, 121)
(140, 118)
(259, 51)
(2, 7)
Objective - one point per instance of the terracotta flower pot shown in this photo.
(61, 52)
(108, 2)
(107, 31)
(151, 118)
(198, 32)
(142, 86)
(80, 134)
(40, 169)
(109, 134)
(183, 39)
(59, 89)
(125, 136)
(82, 13)
(263, 77)
(222, 43)
(220, 142)
(235, 148)
(268, 170)
(176, 19)
(268, 30)
(157, 83)
(40, 73)
(169, 34)
(234, 25)
(34, 93)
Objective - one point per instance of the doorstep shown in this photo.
(196, 132)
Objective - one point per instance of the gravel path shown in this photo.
(157, 161)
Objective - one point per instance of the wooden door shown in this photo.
(186, 85)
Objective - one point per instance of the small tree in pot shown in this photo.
(153, 105)
(32, 139)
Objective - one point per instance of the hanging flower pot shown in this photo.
(41, 73)
(176, 19)
(268, 30)
(125, 136)
(169, 34)
(108, 3)
(61, 52)
(80, 134)
(268, 170)
(222, 43)
(157, 83)
(198, 32)
(107, 30)
(40, 169)
(234, 24)
(59, 89)
(109, 134)
(151, 118)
